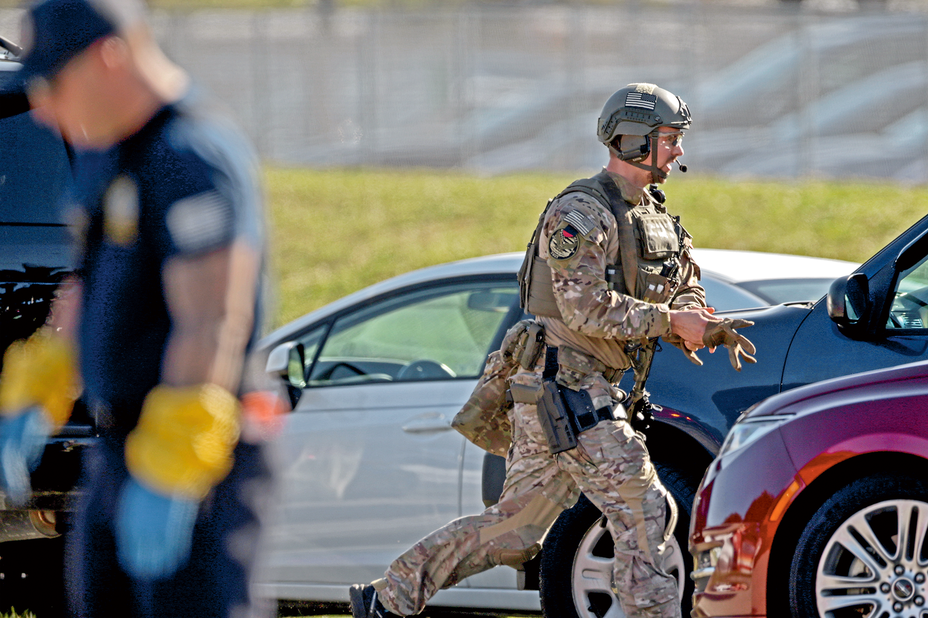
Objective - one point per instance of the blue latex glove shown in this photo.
(153, 531)
(22, 442)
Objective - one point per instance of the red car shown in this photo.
(817, 504)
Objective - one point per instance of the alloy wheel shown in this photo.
(592, 572)
(875, 564)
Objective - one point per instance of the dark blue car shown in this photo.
(873, 318)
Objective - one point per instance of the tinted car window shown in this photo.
(437, 333)
(727, 296)
(776, 291)
(910, 301)
(34, 169)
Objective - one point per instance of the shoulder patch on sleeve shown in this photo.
(570, 228)
(581, 222)
(564, 242)
(200, 221)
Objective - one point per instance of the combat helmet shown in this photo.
(638, 111)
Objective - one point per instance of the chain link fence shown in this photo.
(776, 89)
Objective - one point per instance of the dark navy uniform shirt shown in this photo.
(184, 185)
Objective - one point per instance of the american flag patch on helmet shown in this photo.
(640, 99)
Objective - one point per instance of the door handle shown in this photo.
(430, 422)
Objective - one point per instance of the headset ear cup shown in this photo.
(646, 161)
(633, 147)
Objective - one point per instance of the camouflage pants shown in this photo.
(610, 465)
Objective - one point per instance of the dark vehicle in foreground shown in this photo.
(817, 504)
(35, 255)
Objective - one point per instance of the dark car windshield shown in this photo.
(34, 169)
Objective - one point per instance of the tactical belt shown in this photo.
(612, 374)
(583, 414)
(562, 413)
(520, 393)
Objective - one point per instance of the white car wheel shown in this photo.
(591, 581)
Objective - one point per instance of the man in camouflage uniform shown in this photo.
(596, 319)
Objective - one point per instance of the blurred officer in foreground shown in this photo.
(157, 326)
(608, 271)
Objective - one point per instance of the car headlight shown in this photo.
(749, 430)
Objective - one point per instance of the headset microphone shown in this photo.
(681, 166)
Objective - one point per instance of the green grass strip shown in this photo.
(336, 231)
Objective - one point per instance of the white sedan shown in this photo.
(368, 463)
(771, 278)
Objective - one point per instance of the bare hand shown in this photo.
(690, 325)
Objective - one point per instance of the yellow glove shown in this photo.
(183, 442)
(40, 371)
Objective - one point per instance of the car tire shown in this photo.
(578, 552)
(837, 562)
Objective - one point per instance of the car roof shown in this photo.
(740, 266)
(723, 264)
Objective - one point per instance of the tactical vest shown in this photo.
(650, 245)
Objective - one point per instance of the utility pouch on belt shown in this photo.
(564, 414)
(483, 420)
(555, 419)
(534, 344)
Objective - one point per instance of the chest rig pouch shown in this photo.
(650, 244)
(536, 291)
(659, 244)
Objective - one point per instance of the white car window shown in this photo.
(428, 334)
(308, 344)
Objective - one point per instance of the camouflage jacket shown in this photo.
(579, 239)
(599, 320)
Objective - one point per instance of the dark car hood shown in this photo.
(866, 386)
(26, 248)
(714, 395)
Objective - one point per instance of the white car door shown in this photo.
(367, 463)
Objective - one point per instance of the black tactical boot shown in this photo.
(365, 604)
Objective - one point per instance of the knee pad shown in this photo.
(515, 558)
